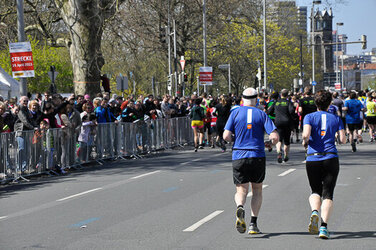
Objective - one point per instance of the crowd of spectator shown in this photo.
(82, 113)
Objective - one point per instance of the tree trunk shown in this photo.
(85, 21)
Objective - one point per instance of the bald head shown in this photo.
(284, 93)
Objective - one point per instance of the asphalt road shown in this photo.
(184, 200)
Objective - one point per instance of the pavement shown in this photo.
(179, 199)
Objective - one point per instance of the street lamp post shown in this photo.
(343, 77)
(264, 34)
(21, 38)
(204, 33)
(313, 42)
(337, 69)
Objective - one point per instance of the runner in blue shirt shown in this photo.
(248, 125)
(322, 164)
(353, 121)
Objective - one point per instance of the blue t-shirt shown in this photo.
(324, 127)
(234, 107)
(249, 124)
(333, 109)
(353, 112)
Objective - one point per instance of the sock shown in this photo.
(254, 219)
(315, 211)
(240, 206)
(323, 224)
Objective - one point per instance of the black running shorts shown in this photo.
(355, 126)
(207, 127)
(322, 176)
(371, 120)
(284, 134)
(249, 170)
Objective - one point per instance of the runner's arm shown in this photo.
(227, 135)
(342, 136)
(306, 134)
(274, 137)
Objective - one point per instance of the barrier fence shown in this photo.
(51, 151)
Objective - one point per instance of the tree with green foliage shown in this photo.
(240, 43)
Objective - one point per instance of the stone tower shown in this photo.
(322, 30)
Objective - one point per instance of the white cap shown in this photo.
(250, 93)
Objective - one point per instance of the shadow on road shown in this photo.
(354, 235)
(334, 235)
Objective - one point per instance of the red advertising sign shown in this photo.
(206, 75)
(337, 85)
(21, 58)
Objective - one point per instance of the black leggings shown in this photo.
(322, 176)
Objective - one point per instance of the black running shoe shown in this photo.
(353, 146)
(279, 158)
(286, 159)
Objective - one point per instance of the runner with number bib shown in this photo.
(322, 164)
(248, 124)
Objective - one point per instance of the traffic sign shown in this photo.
(121, 82)
(314, 83)
(182, 63)
(206, 75)
(259, 75)
(53, 75)
(271, 86)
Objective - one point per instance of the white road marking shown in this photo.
(250, 193)
(204, 220)
(79, 194)
(3, 217)
(287, 172)
(142, 175)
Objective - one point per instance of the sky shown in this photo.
(358, 16)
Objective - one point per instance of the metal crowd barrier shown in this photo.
(53, 151)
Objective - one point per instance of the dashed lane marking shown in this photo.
(202, 221)
(3, 217)
(287, 172)
(79, 194)
(143, 175)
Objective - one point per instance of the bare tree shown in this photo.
(85, 20)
